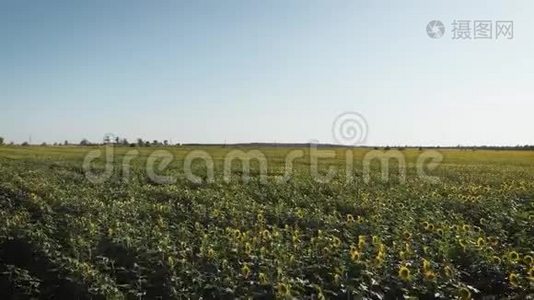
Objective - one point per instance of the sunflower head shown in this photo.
(528, 260)
(466, 227)
(361, 241)
(260, 217)
(407, 235)
(481, 242)
(237, 234)
(284, 289)
(404, 273)
(336, 242)
(354, 254)
(464, 293)
(248, 248)
(263, 278)
(266, 234)
(513, 278)
(513, 256)
(430, 276)
(493, 240)
(211, 252)
(350, 218)
(530, 274)
(439, 231)
(496, 260)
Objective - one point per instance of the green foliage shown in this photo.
(469, 235)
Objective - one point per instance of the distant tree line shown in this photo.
(124, 142)
(146, 143)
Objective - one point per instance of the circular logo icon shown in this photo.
(350, 128)
(435, 29)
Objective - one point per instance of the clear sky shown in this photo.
(263, 71)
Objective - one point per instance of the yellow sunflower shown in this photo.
(513, 278)
(496, 260)
(266, 234)
(513, 256)
(211, 253)
(528, 260)
(430, 276)
(248, 248)
(404, 273)
(350, 218)
(336, 242)
(530, 274)
(464, 293)
(361, 241)
(481, 242)
(284, 289)
(462, 243)
(263, 278)
(354, 254)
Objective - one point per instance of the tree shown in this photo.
(84, 142)
(165, 142)
(1, 140)
(140, 142)
(66, 143)
(25, 144)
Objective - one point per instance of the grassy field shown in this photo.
(470, 234)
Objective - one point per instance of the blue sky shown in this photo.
(263, 71)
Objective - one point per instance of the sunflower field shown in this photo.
(469, 235)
